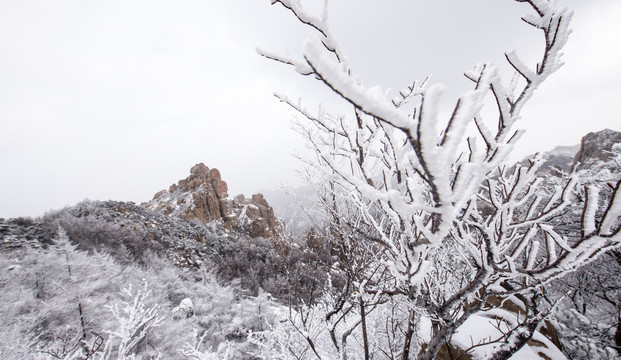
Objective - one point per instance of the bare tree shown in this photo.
(421, 198)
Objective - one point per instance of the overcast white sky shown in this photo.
(117, 99)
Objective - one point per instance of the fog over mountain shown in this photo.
(112, 100)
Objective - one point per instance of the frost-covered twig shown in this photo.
(193, 350)
(136, 317)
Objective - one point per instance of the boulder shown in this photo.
(184, 310)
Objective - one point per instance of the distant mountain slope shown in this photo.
(559, 159)
(296, 207)
(124, 229)
(594, 150)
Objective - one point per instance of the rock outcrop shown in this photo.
(597, 150)
(203, 196)
(255, 216)
(596, 146)
(200, 196)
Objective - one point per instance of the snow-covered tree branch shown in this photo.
(136, 318)
(423, 188)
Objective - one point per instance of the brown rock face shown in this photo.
(199, 196)
(203, 196)
(256, 217)
(597, 146)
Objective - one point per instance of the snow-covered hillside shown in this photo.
(102, 280)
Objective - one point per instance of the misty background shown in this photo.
(118, 99)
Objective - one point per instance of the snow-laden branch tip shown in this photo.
(370, 100)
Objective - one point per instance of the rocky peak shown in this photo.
(199, 196)
(596, 146)
(596, 151)
(201, 175)
(203, 196)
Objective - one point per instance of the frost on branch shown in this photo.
(192, 350)
(404, 185)
(136, 317)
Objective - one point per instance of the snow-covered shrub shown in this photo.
(193, 350)
(91, 233)
(136, 316)
(59, 301)
(582, 338)
(291, 275)
(53, 298)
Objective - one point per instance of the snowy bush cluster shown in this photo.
(64, 303)
(103, 280)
